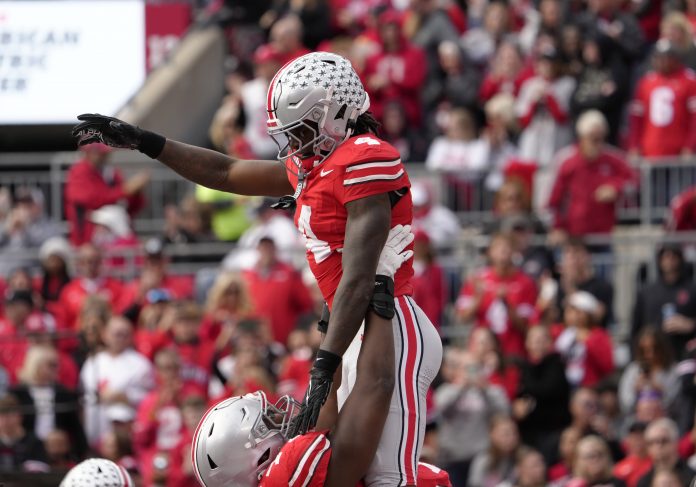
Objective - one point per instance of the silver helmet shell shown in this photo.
(97, 472)
(321, 92)
(238, 438)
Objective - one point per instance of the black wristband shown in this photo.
(382, 301)
(327, 361)
(151, 144)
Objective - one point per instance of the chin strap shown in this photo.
(290, 201)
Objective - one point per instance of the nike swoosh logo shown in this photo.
(324, 173)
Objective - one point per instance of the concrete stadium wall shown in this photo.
(180, 98)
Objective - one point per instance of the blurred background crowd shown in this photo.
(547, 140)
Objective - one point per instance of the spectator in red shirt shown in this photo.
(159, 420)
(154, 322)
(54, 255)
(228, 302)
(682, 211)
(506, 73)
(114, 236)
(586, 347)
(500, 297)
(91, 184)
(429, 288)
(663, 111)
(154, 275)
(22, 326)
(196, 353)
(181, 473)
(293, 378)
(91, 281)
(637, 462)
(542, 109)
(590, 178)
(277, 291)
(397, 71)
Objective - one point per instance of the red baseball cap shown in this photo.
(266, 53)
(421, 236)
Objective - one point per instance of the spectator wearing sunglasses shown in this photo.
(662, 439)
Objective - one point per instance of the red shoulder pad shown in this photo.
(369, 166)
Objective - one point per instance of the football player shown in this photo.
(349, 188)
(243, 441)
(97, 472)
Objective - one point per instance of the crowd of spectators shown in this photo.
(537, 108)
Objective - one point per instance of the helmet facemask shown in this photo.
(273, 419)
(239, 438)
(304, 139)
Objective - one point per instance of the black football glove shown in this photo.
(117, 133)
(320, 381)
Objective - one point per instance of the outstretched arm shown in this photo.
(218, 171)
(202, 166)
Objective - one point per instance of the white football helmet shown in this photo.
(97, 472)
(238, 438)
(319, 94)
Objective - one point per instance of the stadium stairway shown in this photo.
(180, 97)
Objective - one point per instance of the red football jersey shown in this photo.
(663, 112)
(74, 294)
(492, 312)
(304, 462)
(361, 166)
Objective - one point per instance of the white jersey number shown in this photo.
(662, 106)
(319, 248)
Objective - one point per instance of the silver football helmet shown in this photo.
(97, 472)
(313, 103)
(238, 438)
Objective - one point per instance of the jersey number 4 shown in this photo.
(319, 248)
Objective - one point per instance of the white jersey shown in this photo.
(130, 373)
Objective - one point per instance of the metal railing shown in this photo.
(465, 193)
